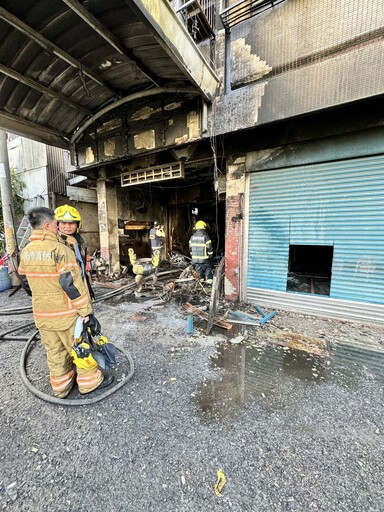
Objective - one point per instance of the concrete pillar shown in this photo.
(108, 223)
(6, 196)
(235, 191)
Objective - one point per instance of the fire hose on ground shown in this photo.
(60, 401)
(23, 361)
(31, 339)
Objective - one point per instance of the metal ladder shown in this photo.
(23, 232)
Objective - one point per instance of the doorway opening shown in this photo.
(182, 219)
(310, 269)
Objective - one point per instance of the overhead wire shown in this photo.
(212, 140)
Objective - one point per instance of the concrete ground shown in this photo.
(290, 431)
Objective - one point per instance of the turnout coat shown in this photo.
(59, 294)
(77, 244)
(200, 247)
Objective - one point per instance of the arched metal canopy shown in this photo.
(64, 61)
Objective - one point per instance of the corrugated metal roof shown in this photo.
(57, 175)
(62, 61)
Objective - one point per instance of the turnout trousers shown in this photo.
(204, 270)
(58, 346)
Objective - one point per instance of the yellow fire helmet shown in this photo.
(82, 356)
(200, 224)
(67, 213)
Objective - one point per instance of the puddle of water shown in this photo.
(262, 374)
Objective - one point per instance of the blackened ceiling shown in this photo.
(62, 62)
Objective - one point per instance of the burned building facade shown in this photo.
(261, 117)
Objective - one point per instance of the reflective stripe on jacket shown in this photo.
(200, 246)
(59, 294)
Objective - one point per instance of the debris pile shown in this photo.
(175, 279)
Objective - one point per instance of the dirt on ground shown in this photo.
(282, 416)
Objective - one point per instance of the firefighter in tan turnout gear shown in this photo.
(59, 297)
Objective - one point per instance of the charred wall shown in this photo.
(297, 58)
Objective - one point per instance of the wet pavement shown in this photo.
(290, 430)
(260, 373)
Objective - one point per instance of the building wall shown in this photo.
(29, 160)
(234, 258)
(140, 128)
(296, 58)
(280, 72)
(43, 169)
(322, 205)
(319, 192)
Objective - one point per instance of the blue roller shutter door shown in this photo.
(335, 203)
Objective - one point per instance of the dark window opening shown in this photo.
(310, 269)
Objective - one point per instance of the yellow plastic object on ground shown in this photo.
(221, 481)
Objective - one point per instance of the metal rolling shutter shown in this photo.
(337, 203)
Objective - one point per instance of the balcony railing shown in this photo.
(198, 15)
(244, 10)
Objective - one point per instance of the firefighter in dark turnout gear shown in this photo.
(157, 238)
(200, 247)
(69, 223)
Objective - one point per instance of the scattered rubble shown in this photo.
(198, 404)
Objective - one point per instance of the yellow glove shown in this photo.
(100, 340)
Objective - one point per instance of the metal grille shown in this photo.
(198, 16)
(244, 10)
(299, 57)
(57, 175)
(151, 174)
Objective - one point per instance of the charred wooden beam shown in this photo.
(42, 88)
